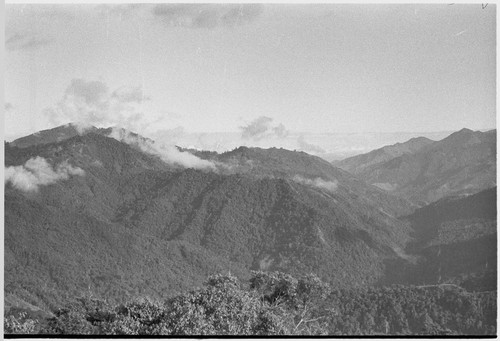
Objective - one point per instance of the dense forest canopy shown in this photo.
(275, 303)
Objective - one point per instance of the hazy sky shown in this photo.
(309, 68)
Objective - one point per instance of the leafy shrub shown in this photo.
(221, 308)
(298, 304)
(84, 316)
(19, 325)
(140, 317)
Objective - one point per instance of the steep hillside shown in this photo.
(454, 242)
(462, 163)
(63, 240)
(129, 224)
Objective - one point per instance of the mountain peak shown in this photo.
(464, 132)
(67, 131)
(463, 136)
(358, 163)
(52, 135)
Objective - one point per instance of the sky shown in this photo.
(264, 71)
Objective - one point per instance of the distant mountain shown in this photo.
(129, 224)
(357, 164)
(424, 171)
(454, 241)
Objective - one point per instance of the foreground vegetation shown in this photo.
(277, 304)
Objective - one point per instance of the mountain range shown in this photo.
(424, 171)
(107, 214)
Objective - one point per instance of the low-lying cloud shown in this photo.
(262, 127)
(207, 16)
(168, 153)
(38, 172)
(330, 186)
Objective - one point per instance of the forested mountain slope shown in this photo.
(127, 223)
(455, 241)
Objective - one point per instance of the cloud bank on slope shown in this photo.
(330, 186)
(38, 172)
(168, 153)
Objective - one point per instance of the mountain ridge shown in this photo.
(356, 164)
(463, 162)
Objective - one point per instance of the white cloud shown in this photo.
(330, 186)
(168, 153)
(261, 128)
(38, 172)
(87, 103)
